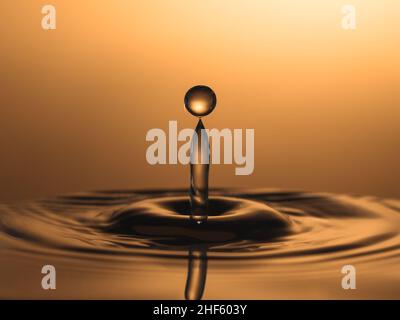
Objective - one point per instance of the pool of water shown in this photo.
(254, 244)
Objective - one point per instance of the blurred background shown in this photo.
(76, 102)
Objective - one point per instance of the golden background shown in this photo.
(76, 102)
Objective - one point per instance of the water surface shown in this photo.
(255, 244)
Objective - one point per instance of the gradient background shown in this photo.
(76, 102)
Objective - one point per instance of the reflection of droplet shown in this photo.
(200, 101)
(197, 273)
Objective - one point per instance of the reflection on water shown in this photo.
(255, 244)
(197, 273)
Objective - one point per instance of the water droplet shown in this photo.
(200, 101)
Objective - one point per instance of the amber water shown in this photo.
(257, 244)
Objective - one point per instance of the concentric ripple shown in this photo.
(241, 224)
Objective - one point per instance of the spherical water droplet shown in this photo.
(200, 101)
